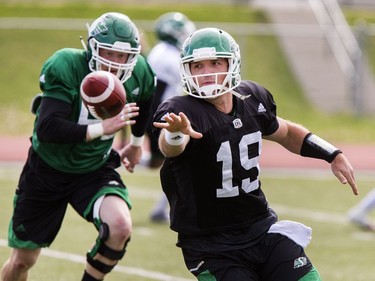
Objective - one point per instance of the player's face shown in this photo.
(113, 56)
(204, 69)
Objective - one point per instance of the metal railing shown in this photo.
(344, 45)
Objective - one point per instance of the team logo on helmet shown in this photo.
(99, 28)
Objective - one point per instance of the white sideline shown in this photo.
(153, 275)
(324, 217)
(7, 171)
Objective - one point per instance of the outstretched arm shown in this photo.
(299, 140)
(342, 169)
(176, 134)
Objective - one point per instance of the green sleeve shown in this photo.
(141, 85)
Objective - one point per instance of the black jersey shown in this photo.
(214, 184)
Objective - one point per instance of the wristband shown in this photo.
(315, 147)
(95, 130)
(136, 141)
(175, 138)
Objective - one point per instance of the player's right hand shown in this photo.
(115, 124)
(178, 123)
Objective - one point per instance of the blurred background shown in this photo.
(317, 57)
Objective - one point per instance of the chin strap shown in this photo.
(210, 91)
(83, 43)
(238, 95)
(215, 90)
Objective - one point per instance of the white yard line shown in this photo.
(324, 217)
(144, 273)
(327, 217)
(10, 171)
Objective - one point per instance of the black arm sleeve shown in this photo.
(143, 119)
(161, 86)
(158, 97)
(53, 124)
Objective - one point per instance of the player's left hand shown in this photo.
(131, 156)
(342, 169)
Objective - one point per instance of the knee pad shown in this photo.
(101, 248)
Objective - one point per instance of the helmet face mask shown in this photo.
(174, 28)
(210, 44)
(208, 91)
(113, 32)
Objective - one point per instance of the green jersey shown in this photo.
(60, 78)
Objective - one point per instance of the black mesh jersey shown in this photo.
(214, 184)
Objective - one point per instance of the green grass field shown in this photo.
(340, 251)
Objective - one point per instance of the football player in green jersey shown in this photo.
(212, 140)
(71, 160)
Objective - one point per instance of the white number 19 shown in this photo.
(225, 155)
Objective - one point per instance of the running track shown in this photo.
(362, 157)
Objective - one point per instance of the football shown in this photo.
(103, 94)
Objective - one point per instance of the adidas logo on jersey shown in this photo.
(261, 108)
(20, 228)
(42, 79)
(135, 92)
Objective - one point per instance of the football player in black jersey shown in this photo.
(212, 140)
(171, 30)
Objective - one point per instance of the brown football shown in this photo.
(103, 94)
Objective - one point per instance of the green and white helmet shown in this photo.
(210, 44)
(116, 32)
(174, 28)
